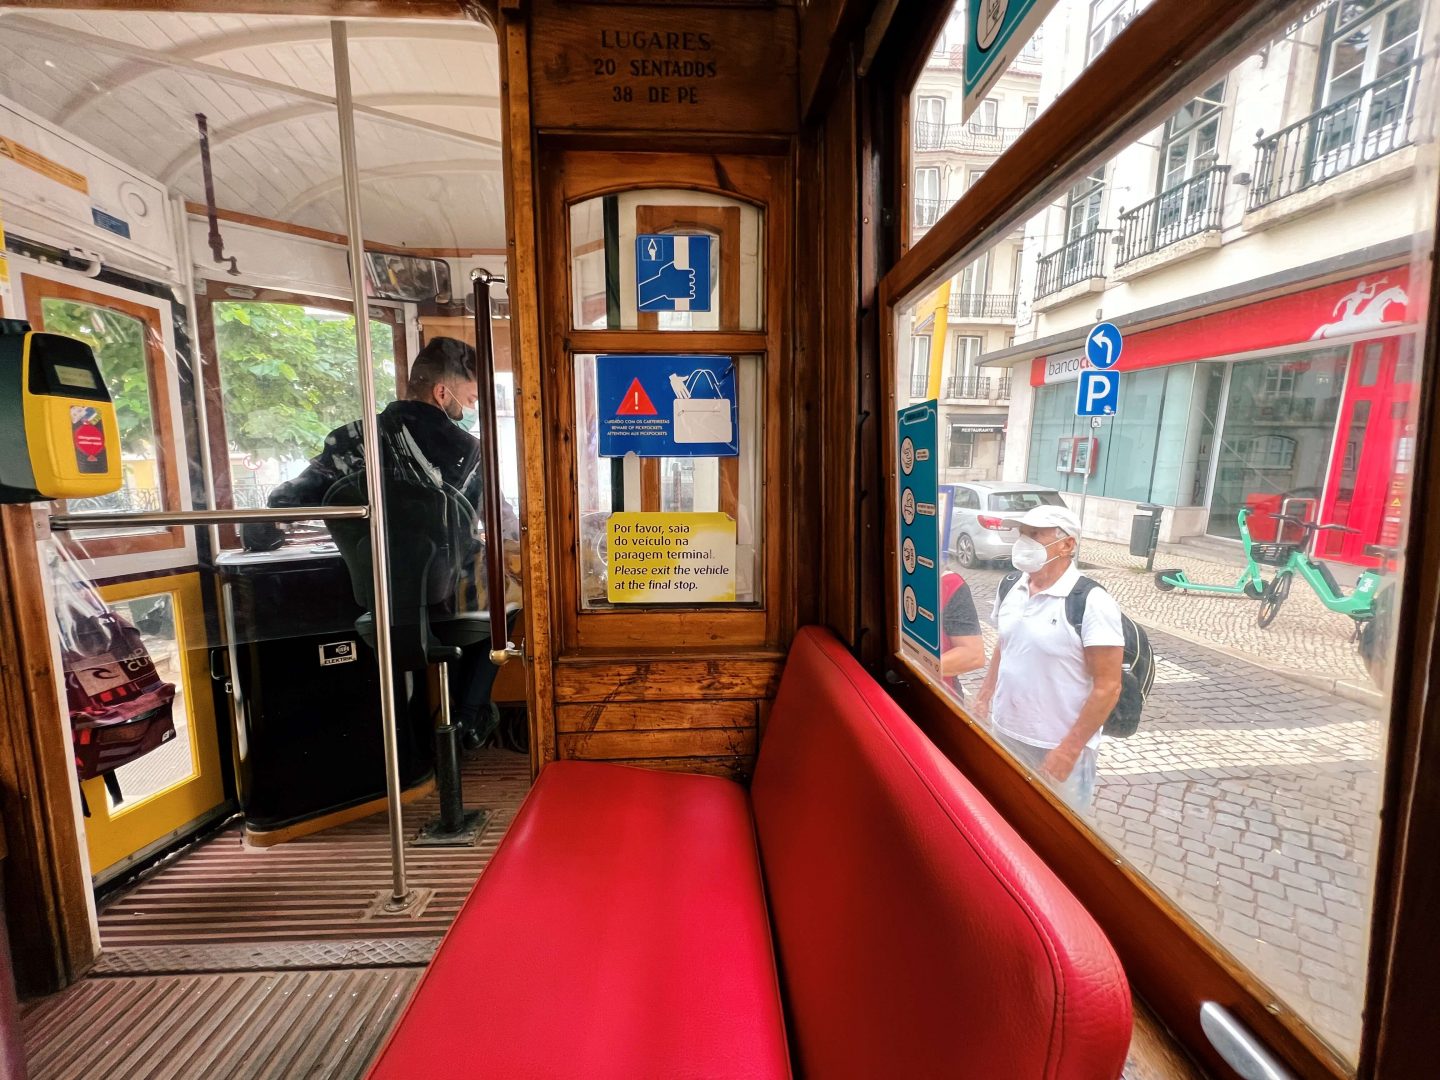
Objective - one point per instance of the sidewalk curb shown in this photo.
(1361, 695)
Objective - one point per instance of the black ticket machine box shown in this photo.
(306, 697)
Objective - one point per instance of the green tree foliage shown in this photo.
(289, 375)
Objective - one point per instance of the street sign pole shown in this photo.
(1095, 423)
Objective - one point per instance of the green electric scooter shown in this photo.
(1251, 582)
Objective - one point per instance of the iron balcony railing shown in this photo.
(1184, 210)
(978, 387)
(982, 305)
(919, 385)
(929, 211)
(1361, 127)
(964, 138)
(1079, 260)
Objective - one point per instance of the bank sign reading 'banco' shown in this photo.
(1066, 367)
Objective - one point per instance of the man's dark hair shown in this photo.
(442, 360)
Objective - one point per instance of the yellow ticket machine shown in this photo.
(58, 434)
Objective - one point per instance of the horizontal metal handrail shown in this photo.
(205, 517)
(1351, 131)
(1177, 213)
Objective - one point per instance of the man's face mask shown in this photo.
(1030, 555)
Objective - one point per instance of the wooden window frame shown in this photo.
(208, 293)
(1160, 57)
(762, 180)
(167, 425)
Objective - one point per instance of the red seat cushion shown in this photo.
(918, 935)
(619, 931)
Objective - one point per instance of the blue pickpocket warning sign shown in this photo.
(672, 271)
(667, 406)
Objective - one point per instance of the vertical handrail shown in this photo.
(374, 473)
(490, 466)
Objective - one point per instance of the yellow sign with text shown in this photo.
(671, 558)
(38, 162)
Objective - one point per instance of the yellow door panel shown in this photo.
(175, 785)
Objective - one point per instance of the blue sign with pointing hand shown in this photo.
(672, 272)
(1103, 345)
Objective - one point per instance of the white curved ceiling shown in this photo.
(427, 112)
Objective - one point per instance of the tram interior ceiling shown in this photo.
(639, 422)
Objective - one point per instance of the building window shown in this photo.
(1107, 19)
(1082, 205)
(1031, 109)
(1370, 52)
(986, 118)
(964, 383)
(1191, 138)
(1271, 452)
(927, 196)
(975, 175)
(929, 123)
(1279, 378)
(920, 367)
(962, 447)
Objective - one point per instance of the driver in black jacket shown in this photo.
(426, 426)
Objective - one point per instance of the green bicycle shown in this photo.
(1293, 559)
(1251, 582)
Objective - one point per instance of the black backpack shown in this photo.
(1137, 663)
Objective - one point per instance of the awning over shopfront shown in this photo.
(975, 422)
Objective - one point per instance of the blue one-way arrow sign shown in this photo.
(1103, 345)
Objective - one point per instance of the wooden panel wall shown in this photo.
(699, 715)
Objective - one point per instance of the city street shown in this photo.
(1250, 799)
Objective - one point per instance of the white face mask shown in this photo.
(1029, 555)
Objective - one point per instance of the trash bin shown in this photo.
(1145, 530)
(306, 696)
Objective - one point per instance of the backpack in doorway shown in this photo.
(1137, 662)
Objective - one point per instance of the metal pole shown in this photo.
(197, 360)
(374, 474)
(144, 518)
(500, 648)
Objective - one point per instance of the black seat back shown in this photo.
(428, 529)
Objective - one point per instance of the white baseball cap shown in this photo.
(1046, 517)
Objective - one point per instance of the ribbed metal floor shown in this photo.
(289, 1024)
(266, 964)
(319, 887)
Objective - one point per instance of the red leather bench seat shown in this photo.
(619, 931)
(918, 935)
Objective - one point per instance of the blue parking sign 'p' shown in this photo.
(1097, 393)
(672, 271)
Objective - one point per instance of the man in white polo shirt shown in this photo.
(1050, 688)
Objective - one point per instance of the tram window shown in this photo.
(119, 341)
(1250, 793)
(944, 149)
(729, 485)
(667, 260)
(287, 379)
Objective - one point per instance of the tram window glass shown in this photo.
(119, 341)
(949, 155)
(287, 378)
(1250, 794)
(730, 485)
(627, 276)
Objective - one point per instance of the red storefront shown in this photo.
(1360, 326)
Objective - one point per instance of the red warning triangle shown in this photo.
(636, 401)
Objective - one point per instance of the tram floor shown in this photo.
(270, 963)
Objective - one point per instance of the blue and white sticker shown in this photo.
(672, 271)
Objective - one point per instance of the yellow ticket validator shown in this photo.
(58, 435)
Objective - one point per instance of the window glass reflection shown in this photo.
(1245, 503)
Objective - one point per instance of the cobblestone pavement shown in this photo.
(1251, 801)
(1305, 637)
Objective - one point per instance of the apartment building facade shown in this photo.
(975, 312)
(1248, 249)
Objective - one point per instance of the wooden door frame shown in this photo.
(167, 426)
(574, 174)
